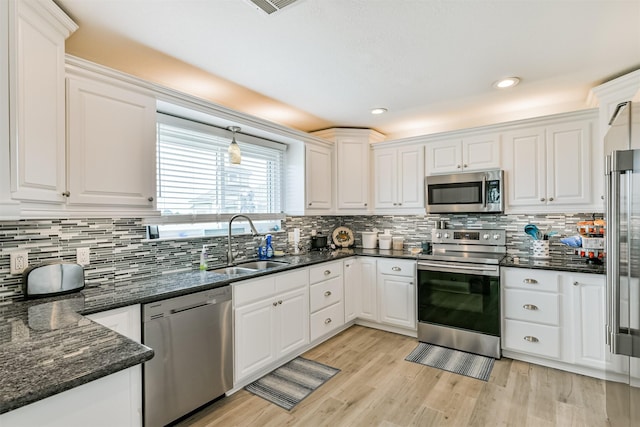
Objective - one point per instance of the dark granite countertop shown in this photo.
(569, 264)
(50, 346)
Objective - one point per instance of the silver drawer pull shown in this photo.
(280, 302)
(275, 304)
(531, 339)
(327, 272)
(530, 281)
(327, 294)
(530, 307)
(327, 321)
(396, 269)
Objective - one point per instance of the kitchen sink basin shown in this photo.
(233, 270)
(262, 265)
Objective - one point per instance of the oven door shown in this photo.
(460, 295)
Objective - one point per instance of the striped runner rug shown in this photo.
(458, 362)
(292, 382)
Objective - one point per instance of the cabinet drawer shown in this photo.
(396, 267)
(326, 293)
(326, 320)
(253, 290)
(292, 280)
(325, 271)
(531, 306)
(532, 338)
(538, 280)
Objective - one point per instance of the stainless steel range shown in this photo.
(459, 290)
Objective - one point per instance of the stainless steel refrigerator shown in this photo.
(622, 151)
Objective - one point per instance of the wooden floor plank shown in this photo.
(377, 387)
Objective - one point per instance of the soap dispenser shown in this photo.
(262, 249)
(203, 258)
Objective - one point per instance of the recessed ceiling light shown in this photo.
(378, 111)
(506, 82)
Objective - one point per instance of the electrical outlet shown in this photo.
(82, 256)
(19, 261)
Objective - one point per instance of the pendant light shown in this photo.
(234, 150)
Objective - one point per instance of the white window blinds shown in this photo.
(195, 176)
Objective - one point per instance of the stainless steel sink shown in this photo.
(233, 270)
(262, 265)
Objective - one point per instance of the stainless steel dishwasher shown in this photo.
(191, 336)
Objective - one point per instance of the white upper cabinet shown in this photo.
(318, 173)
(399, 177)
(37, 31)
(548, 167)
(352, 166)
(111, 144)
(475, 152)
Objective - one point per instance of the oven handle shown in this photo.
(493, 270)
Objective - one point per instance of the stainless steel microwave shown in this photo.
(470, 192)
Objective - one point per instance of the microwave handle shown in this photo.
(484, 190)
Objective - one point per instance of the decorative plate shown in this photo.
(343, 236)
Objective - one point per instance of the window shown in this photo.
(195, 176)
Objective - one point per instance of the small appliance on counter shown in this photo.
(369, 239)
(47, 280)
(592, 234)
(318, 242)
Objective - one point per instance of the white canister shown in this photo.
(398, 243)
(369, 239)
(385, 241)
(540, 249)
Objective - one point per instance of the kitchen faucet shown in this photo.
(254, 232)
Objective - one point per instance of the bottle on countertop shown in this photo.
(262, 249)
(269, 247)
(203, 258)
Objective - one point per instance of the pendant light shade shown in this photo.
(234, 150)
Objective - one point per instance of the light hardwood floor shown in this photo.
(377, 387)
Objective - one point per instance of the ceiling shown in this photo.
(317, 64)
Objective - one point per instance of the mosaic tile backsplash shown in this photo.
(120, 251)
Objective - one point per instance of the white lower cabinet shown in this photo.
(326, 298)
(114, 400)
(367, 287)
(397, 292)
(555, 319)
(271, 319)
(352, 279)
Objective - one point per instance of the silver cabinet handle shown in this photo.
(576, 283)
(396, 269)
(275, 304)
(458, 166)
(280, 302)
(327, 321)
(66, 194)
(542, 199)
(399, 204)
(530, 307)
(530, 281)
(551, 199)
(150, 199)
(465, 166)
(365, 204)
(531, 339)
(327, 294)
(327, 272)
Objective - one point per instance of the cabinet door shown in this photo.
(444, 156)
(368, 290)
(569, 163)
(352, 279)
(385, 173)
(112, 139)
(397, 300)
(353, 173)
(318, 177)
(255, 344)
(292, 321)
(37, 102)
(481, 152)
(588, 319)
(411, 177)
(525, 164)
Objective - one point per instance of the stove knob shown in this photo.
(486, 236)
(496, 237)
(446, 235)
(439, 235)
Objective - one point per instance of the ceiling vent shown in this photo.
(270, 6)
